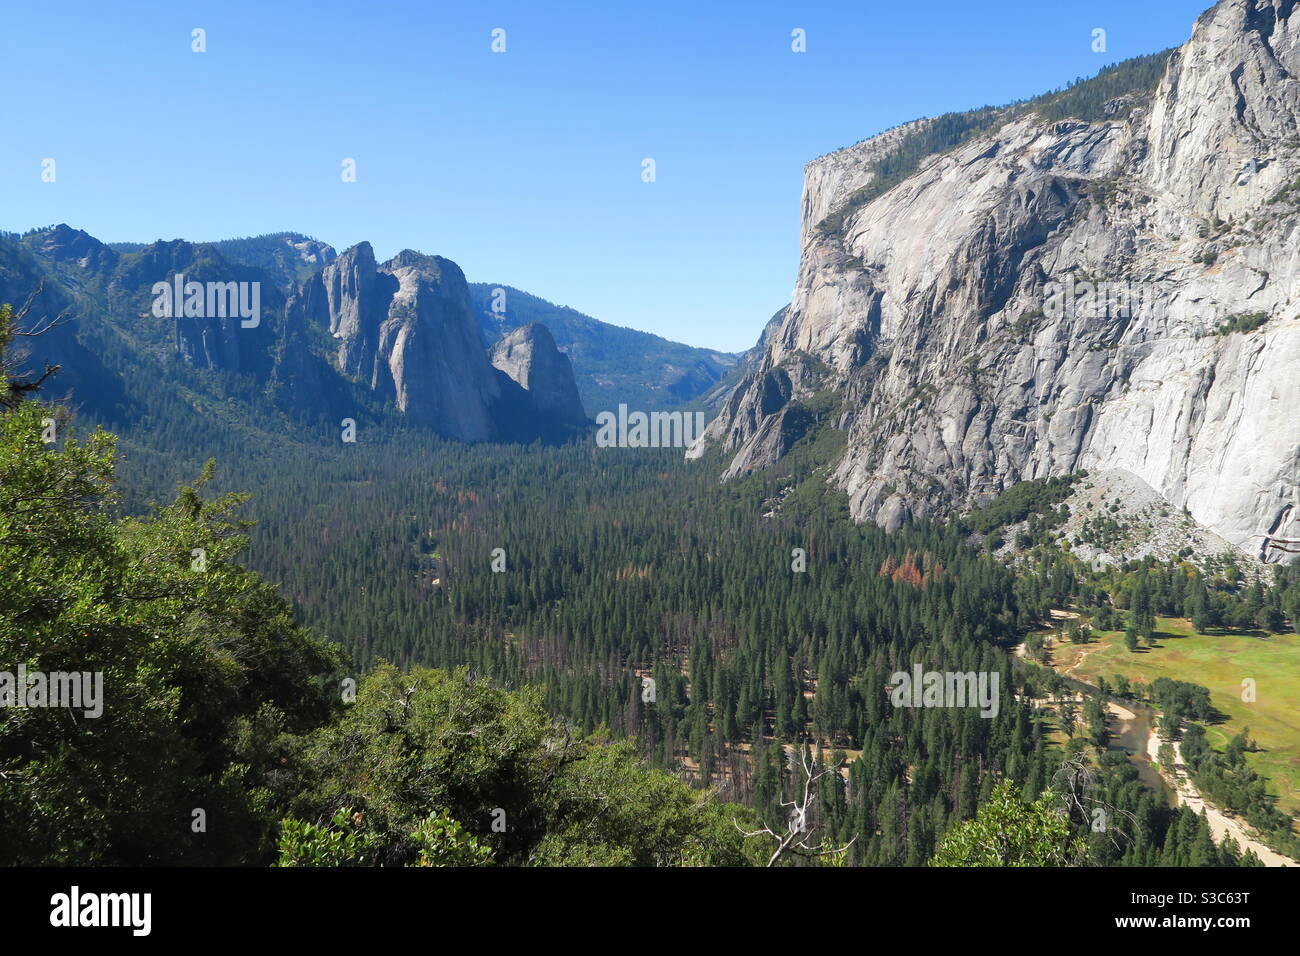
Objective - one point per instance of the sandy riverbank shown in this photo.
(1221, 824)
(1185, 791)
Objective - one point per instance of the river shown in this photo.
(1131, 724)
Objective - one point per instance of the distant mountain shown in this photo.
(612, 364)
(289, 256)
(746, 362)
(338, 336)
(227, 329)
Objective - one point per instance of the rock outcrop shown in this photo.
(612, 365)
(529, 358)
(406, 331)
(62, 243)
(953, 312)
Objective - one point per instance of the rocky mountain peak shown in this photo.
(529, 357)
(406, 330)
(1226, 118)
(311, 252)
(65, 244)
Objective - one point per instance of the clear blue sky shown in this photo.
(523, 167)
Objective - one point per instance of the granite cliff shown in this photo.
(1083, 281)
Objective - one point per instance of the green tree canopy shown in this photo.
(1010, 832)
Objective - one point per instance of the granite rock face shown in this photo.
(406, 331)
(529, 358)
(326, 336)
(952, 312)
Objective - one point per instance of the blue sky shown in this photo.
(524, 166)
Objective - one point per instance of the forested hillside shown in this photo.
(223, 733)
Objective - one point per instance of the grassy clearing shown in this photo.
(1219, 661)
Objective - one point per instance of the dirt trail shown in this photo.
(1221, 824)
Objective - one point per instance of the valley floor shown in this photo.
(1217, 661)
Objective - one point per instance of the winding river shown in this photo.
(1131, 725)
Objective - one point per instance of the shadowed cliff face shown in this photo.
(942, 308)
(105, 290)
(529, 359)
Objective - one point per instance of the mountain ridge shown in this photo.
(613, 364)
(384, 342)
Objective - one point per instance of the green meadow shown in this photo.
(1220, 661)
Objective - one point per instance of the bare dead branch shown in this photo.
(795, 840)
(21, 314)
